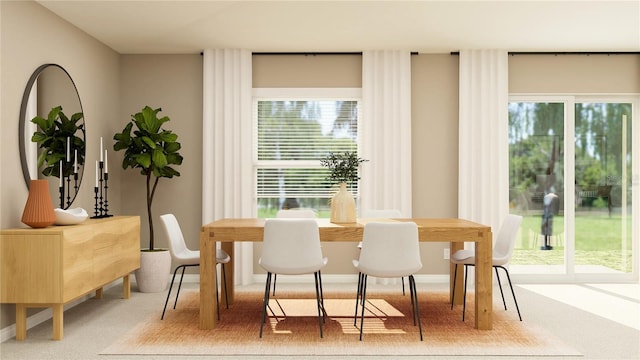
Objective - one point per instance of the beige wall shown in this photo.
(32, 36)
(574, 74)
(294, 71)
(434, 141)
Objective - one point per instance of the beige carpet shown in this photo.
(388, 329)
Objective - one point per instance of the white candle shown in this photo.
(60, 173)
(101, 148)
(68, 149)
(106, 163)
(96, 174)
(75, 161)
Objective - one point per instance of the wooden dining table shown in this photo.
(454, 231)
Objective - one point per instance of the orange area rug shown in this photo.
(292, 329)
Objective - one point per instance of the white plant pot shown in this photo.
(153, 274)
(343, 207)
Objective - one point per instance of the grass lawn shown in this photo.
(598, 241)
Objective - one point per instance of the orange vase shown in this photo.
(38, 211)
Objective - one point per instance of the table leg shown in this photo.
(229, 269)
(21, 321)
(126, 287)
(484, 283)
(459, 283)
(99, 293)
(208, 284)
(58, 319)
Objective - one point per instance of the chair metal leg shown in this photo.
(464, 297)
(364, 295)
(414, 300)
(169, 293)
(217, 295)
(504, 303)
(226, 293)
(512, 292)
(402, 280)
(358, 294)
(265, 301)
(413, 303)
(275, 278)
(324, 312)
(179, 287)
(453, 292)
(318, 280)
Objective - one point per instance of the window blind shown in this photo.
(292, 136)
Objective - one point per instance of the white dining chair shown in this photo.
(183, 258)
(502, 252)
(382, 214)
(292, 247)
(388, 259)
(296, 213)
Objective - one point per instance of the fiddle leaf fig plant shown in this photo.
(52, 135)
(151, 149)
(343, 167)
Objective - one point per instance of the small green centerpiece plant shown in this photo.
(343, 170)
(343, 167)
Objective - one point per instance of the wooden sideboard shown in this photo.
(52, 266)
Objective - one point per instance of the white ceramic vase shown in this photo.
(153, 274)
(343, 206)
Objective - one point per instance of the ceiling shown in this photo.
(168, 27)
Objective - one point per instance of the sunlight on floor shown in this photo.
(616, 302)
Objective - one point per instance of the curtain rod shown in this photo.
(566, 53)
(308, 53)
(316, 53)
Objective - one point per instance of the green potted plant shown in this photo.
(343, 170)
(154, 151)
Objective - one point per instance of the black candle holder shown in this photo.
(101, 209)
(65, 189)
(61, 190)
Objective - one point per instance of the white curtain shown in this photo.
(483, 185)
(386, 131)
(227, 144)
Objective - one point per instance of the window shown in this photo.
(570, 174)
(294, 129)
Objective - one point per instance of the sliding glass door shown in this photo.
(571, 169)
(603, 196)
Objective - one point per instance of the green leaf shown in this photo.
(159, 160)
(168, 136)
(172, 147)
(40, 121)
(143, 160)
(149, 142)
(174, 158)
(38, 137)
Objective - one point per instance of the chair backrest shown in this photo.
(177, 244)
(291, 246)
(296, 213)
(506, 239)
(390, 249)
(381, 213)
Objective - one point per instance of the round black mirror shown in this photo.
(52, 133)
